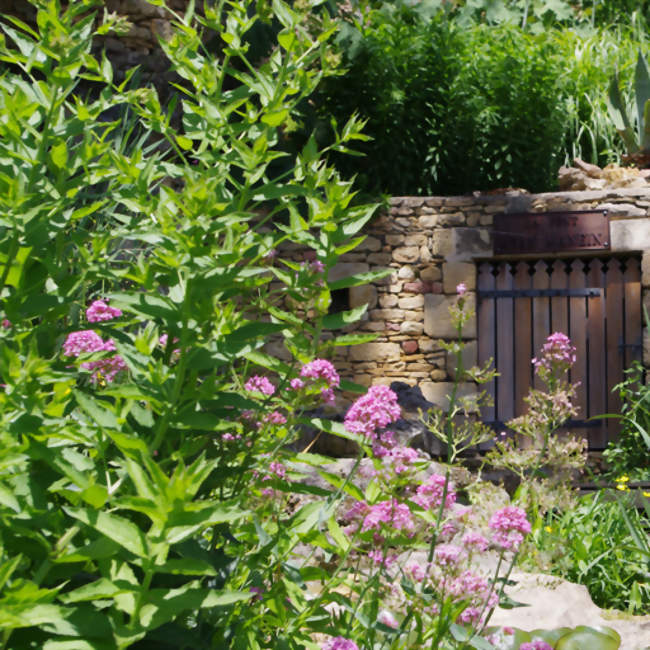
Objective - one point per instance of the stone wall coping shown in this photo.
(478, 198)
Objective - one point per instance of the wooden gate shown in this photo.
(596, 301)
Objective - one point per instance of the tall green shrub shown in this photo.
(128, 443)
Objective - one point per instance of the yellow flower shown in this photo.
(623, 479)
(646, 494)
(622, 487)
(548, 529)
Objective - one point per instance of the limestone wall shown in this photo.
(431, 244)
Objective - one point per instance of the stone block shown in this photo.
(622, 210)
(369, 244)
(415, 240)
(381, 259)
(375, 352)
(428, 221)
(387, 314)
(395, 240)
(410, 347)
(469, 358)
(438, 392)
(411, 302)
(425, 254)
(388, 300)
(411, 327)
(430, 274)
(468, 243)
(630, 234)
(406, 273)
(442, 243)
(453, 273)
(346, 269)
(437, 321)
(406, 254)
(451, 219)
(363, 295)
(416, 287)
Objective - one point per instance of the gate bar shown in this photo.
(540, 293)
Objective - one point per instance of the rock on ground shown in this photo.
(554, 602)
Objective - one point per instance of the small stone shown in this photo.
(394, 327)
(370, 244)
(416, 287)
(395, 240)
(388, 300)
(411, 302)
(430, 274)
(406, 273)
(381, 259)
(412, 328)
(410, 347)
(406, 254)
(375, 351)
(415, 240)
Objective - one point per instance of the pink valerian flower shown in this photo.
(379, 557)
(230, 437)
(537, 644)
(275, 417)
(106, 369)
(372, 412)
(317, 266)
(558, 355)
(101, 311)
(83, 341)
(296, 383)
(89, 342)
(401, 458)
(258, 591)
(388, 619)
(339, 643)
(429, 494)
(416, 571)
(475, 542)
(473, 588)
(461, 289)
(448, 554)
(510, 526)
(469, 616)
(448, 531)
(278, 469)
(321, 369)
(257, 384)
(390, 513)
(6, 323)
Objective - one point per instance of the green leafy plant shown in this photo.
(635, 131)
(629, 453)
(600, 543)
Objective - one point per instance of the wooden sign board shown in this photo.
(551, 232)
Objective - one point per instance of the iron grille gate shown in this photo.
(596, 301)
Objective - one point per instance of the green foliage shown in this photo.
(630, 452)
(454, 105)
(599, 544)
(123, 515)
(634, 131)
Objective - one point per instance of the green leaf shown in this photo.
(353, 339)
(100, 415)
(275, 118)
(118, 529)
(184, 142)
(336, 321)
(359, 279)
(59, 155)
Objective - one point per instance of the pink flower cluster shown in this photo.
(510, 526)
(428, 495)
(88, 342)
(448, 554)
(476, 590)
(537, 644)
(558, 354)
(319, 370)
(101, 311)
(390, 513)
(372, 412)
(339, 643)
(473, 541)
(257, 384)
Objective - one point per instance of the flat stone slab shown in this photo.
(554, 602)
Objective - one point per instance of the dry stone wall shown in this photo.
(431, 244)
